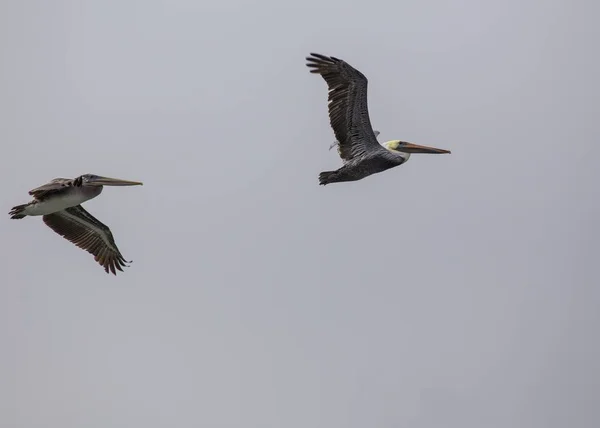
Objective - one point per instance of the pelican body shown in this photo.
(59, 204)
(349, 117)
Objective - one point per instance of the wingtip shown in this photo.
(317, 58)
(117, 265)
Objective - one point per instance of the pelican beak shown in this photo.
(107, 181)
(415, 148)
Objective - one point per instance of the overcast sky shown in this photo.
(453, 291)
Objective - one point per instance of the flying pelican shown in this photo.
(58, 202)
(349, 117)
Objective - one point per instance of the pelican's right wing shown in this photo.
(81, 228)
(53, 186)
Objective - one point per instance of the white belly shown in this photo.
(55, 204)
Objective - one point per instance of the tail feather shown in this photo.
(327, 177)
(17, 212)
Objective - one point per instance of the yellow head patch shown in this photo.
(392, 144)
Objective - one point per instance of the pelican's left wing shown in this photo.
(347, 106)
(336, 142)
(84, 230)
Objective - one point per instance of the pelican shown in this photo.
(357, 143)
(59, 204)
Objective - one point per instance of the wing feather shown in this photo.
(54, 186)
(82, 229)
(348, 110)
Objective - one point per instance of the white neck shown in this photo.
(404, 155)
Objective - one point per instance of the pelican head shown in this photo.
(98, 180)
(405, 147)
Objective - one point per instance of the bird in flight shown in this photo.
(59, 204)
(357, 143)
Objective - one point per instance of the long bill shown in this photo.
(107, 181)
(415, 148)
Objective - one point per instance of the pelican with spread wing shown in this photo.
(349, 117)
(59, 204)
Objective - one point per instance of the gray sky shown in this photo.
(453, 291)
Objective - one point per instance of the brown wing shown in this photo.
(54, 186)
(84, 230)
(348, 111)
